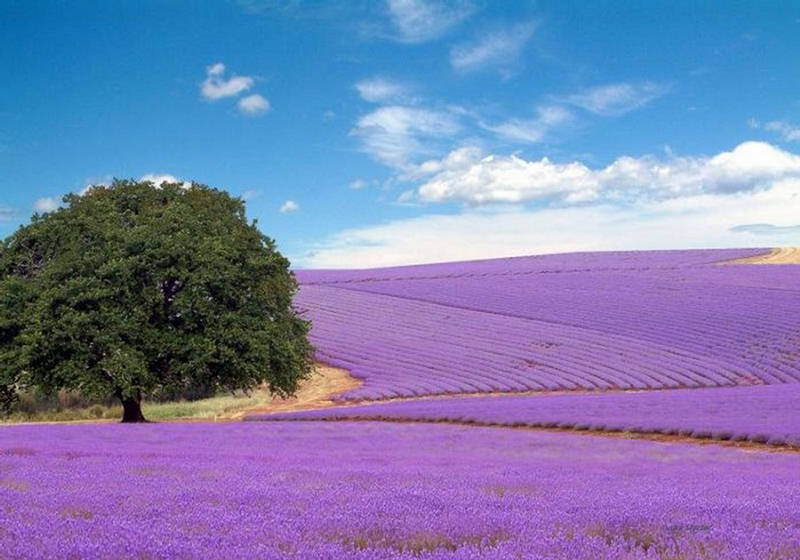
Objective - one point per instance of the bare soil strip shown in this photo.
(543, 393)
(328, 381)
(783, 255)
(315, 392)
(650, 436)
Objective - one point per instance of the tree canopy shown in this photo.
(136, 290)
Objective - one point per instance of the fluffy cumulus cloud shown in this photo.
(381, 90)
(288, 207)
(216, 86)
(253, 105)
(418, 21)
(468, 175)
(158, 178)
(616, 99)
(394, 134)
(497, 49)
(747, 196)
(46, 204)
(699, 221)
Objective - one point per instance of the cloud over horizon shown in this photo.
(747, 196)
(702, 221)
(470, 176)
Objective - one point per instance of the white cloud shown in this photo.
(767, 229)
(497, 49)
(395, 134)
(706, 220)
(358, 184)
(617, 99)
(250, 194)
(215, 86)
(253, 105)
(46, 204)
(532, 130)
(469, 175)
(158, 178)
(786, 130)
(380, 90)
(217, 69)
(289, 206)
(418, 21)
(155, 178)
(7, 213)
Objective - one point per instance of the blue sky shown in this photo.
(368, 133)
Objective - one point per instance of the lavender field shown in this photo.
(644, 320)
(400, 280)
(761, 414)
(671, 343)
(378, 491)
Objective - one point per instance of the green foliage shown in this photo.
(134, 289)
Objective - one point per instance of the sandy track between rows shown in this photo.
(782, 255)
(315, 392)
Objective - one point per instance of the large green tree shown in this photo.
(136, 290)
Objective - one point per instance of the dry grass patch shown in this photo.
(782, 255)
(421, 543)
(315, 392)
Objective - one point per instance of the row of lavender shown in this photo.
(589, 321)
(748, 315)
(563, 262)
(388, 491)
(764, 414)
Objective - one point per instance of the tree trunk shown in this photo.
(132, 410)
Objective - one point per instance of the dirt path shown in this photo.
(315, 392)
(328, 381)
(783, 255)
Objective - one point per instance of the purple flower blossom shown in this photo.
(384, 491)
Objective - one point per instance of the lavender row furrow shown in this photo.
(614, 304)
(765, 414)
(539, 264)
(398, 339)
(592, 321)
